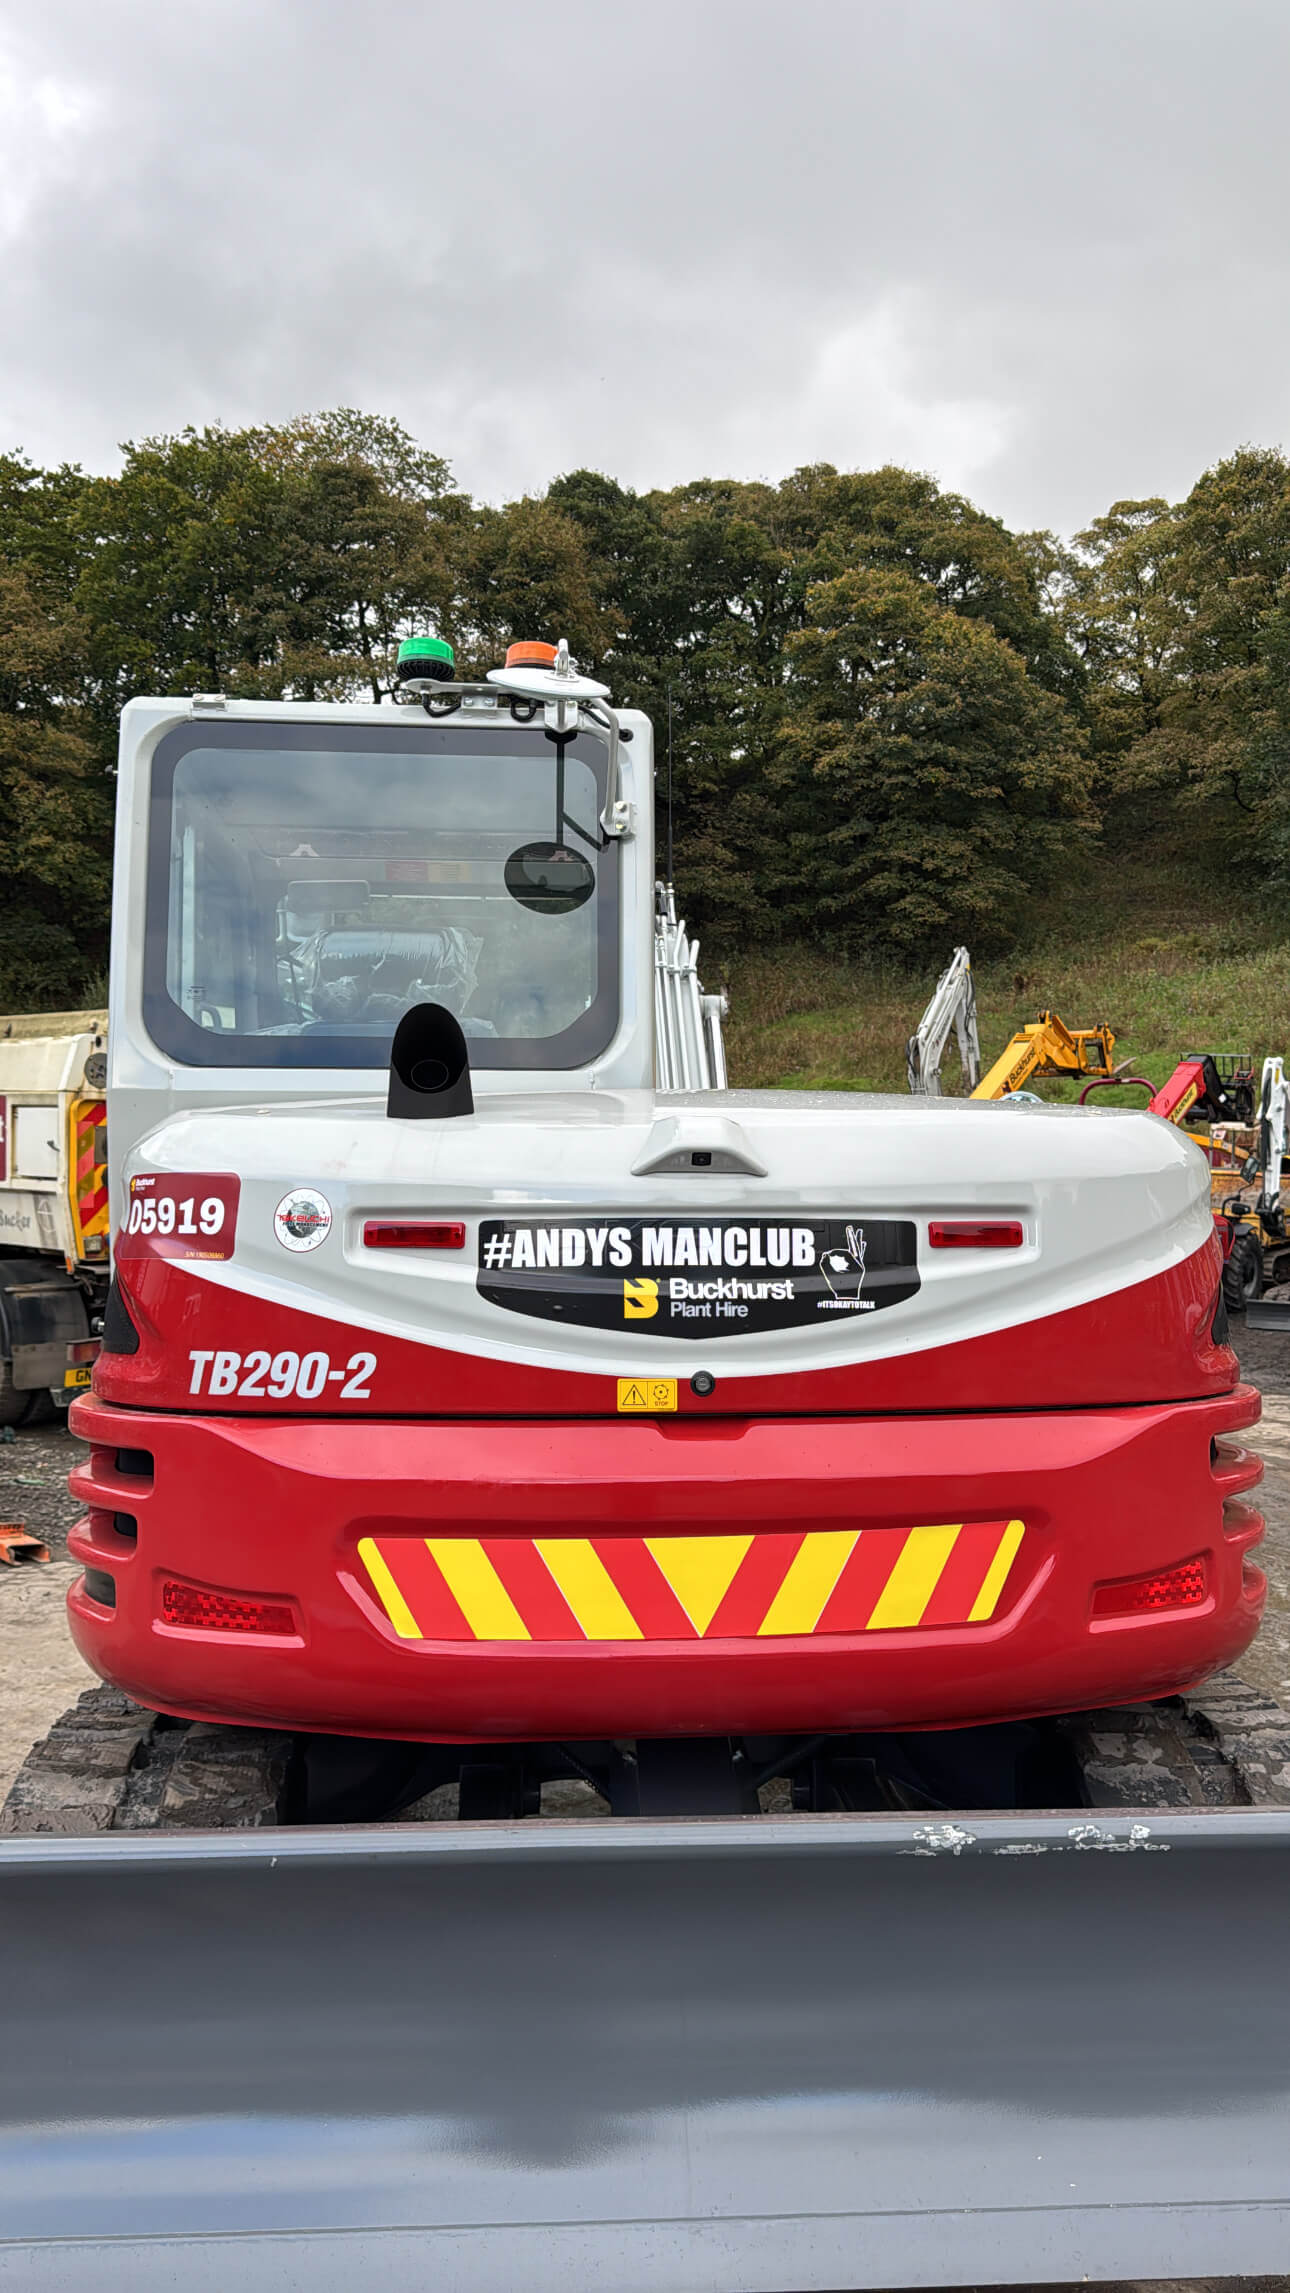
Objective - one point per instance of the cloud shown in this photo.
(42, 117)
(1036, 248)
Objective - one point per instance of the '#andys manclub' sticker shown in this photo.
(696, 1278)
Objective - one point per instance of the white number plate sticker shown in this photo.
(265, 1376)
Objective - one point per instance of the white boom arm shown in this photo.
(689, 1054)
(1272, 1134)
(952, 1005)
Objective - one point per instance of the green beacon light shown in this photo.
(423, 661)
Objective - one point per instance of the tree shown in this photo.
(709, 583)
(630, 566)
(927, 784)
(524, 571)
(55, 806)
(902, 519)
(1218, 587)
(369, 522)
(1120, 611)
(1266, 764)
(184, 580)
(265, 562)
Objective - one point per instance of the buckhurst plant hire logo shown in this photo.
(696, 1279)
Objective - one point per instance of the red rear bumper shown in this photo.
(571, 1587)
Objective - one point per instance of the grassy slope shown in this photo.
(1171, 961)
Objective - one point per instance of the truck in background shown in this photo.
(54, 1224)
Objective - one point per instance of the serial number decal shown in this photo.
(263, 1376)
(183, 1214)
(699, 1279)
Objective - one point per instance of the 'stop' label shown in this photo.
(696, 1278)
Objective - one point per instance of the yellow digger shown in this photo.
(1046, 1047)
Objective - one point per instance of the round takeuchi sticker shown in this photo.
(302, 1219)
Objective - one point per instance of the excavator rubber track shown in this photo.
(745, 2055)
(108, 1766)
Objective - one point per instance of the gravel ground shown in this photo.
(41, 1674)
(40, 1671)
(1265, 1361)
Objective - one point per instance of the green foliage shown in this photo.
(893, 721)
(55, 801)
(522, 571)
(1115, 594)
(265, 563)
(1218, 730)
(1179, 613)
(1149, 941)
(710, 587)
(926, 784)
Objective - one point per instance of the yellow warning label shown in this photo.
(646, 1396)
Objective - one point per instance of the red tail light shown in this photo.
(187, 1604)
(414, 1234)
(976, 1234)
(1181, 1587)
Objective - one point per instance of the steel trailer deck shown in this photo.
(760, 2056)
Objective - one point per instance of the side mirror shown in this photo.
(429, 1067)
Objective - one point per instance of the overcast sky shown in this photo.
(1039, 247)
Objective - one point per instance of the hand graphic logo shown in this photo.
(843, 1270)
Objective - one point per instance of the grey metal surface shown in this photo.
(751, 2057)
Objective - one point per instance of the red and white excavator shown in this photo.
(457, 1383)
(480, 1428)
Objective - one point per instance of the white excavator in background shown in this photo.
(1272, 1136)
(1259, 1252)
(952, 1006)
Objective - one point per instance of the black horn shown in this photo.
(429, 1066)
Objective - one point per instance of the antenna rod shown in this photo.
(669, 783)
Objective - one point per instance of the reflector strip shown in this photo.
(190, 1608)
(533, 1589)
(1181, 1587)
(392, 1600)
(589, 1588)
(477, 1589)
(852, 1602)
(784, 1584)
(964, 1574)
(91, 1203)
(757, 1580)
(414, 1234)
(983, 1607)
(975, 1234)
(812, 1574)
(913, 1580)
(649, 1595)
(425, 1588)
(699, 1570)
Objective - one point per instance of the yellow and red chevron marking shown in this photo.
(774, 1586)
(91, 1175)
